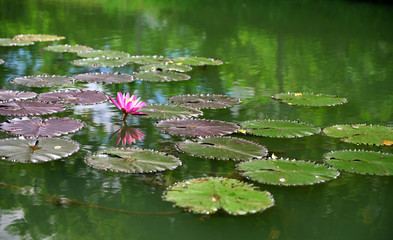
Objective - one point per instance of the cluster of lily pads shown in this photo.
(204, 138)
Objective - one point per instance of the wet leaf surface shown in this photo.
(104, 77)
(38, 37)
(78, 97)
(166, 111)
(108, 54)
(146, 59)
(23, 108)
(68, 48)
(98, 62)
(43, 81)
(309, 99)
(197, 61)
(7, 95)
(210, 101)
(166, 67)
(161, 76)
(8, 42)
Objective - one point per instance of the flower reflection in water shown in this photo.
(127, 135)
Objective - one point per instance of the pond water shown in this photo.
(342, 48)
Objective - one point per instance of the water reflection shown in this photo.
(127, 135)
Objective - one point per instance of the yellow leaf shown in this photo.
(387, 142)
(242, 131)
(179, 63)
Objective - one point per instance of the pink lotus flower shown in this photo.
(128, 135)
(128, 105)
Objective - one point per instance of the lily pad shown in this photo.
(36, 150)
(165, 111)
(104, 77)
(286, 172)
(68, 48)
(279, 128)
(23, 108)
(132, 160)
(309, 99)
(166, 67)
(146, 59)
(36, 127)
(196, 127)
(361, 134)
(197, 61)
(7, 95)
(212, 101)
(8, 42)
(362, 162)
(207, 195)
(161, 76)
(223, 148)
(43, 81)
(108, 54)
(38, 37)
(98, 62)
(78, 97)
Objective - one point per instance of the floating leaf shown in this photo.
(132, 160)
(7, 95)
(362, 162)
(165, 111)
(207, 195)
(38, 37)
(8, 42)
(146, 59)
(108, 54)
(212, 101)
(98, 62)
(1, 61)
(36, 150)
(36, 127)
(78, 97)
(197, 127)
(197, 61)
(309, 99)
(166, 67)
(43, 81)
(104, 77)
(161, 76)
(279, 128)
(223, 148)
(68, 48)
(23, 108)
(286, 172)
(361, 133)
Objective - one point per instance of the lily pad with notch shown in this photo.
(196, 127)
(146, 59)
(166, 67)
(286, 172)
(279, 128)
(203, 101)
(77, 97)
(197, 61)
(26, 150)
(38, 37)
(43, 81)
(208, 195)
(361, 134)
(8, 42)
(309, 99)
(104, 77)
(8, 95)
(361, 162)
(166, 111)
(68, 48)
(156, 76)
(36, 127)
(24, 108)
(98, 62)
(132, 160)
(223, 148)
(108, 54)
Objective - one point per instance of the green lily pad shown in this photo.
(108, 54)
(8, 42)
(7, 95)
(203, 101)
(362, 162)
(104, 77)
(223, 148)
(38, 37)
(43, 81)
(146, 59)
(161, 76)
(279, 128)
(207, 195)
(132, 160)
(362, 134)
(166, 67)
(286, 172)
(309, 99)
(78, 97)
(98, 62)
(68, 48)
(165, 111)
(36, 150)
(197, 61)
(23, 108)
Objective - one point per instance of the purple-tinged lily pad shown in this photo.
(212, 101)
(98, 62)
(108, 54)
(197, 127)
(165, 111)
(38, 37)
(146, 59)
(43, 81)
(78, 97)
(7, 95)
(68, 48)
(36, 127)
(104, 77)
(24, 108)
(8, 42)
(156, 76)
